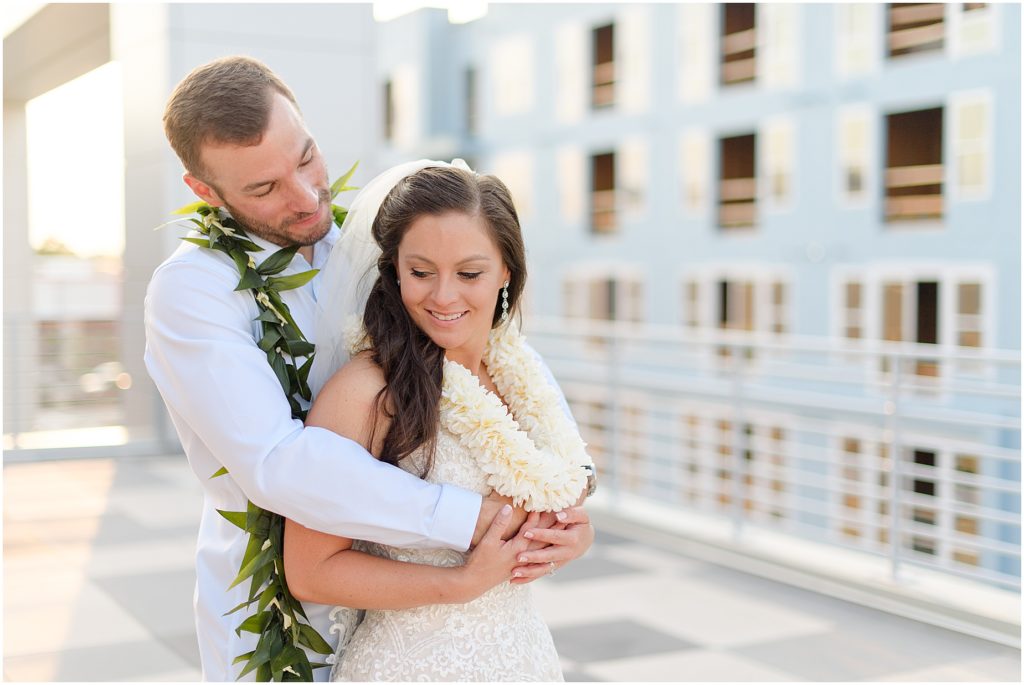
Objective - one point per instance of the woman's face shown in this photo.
(451, 275)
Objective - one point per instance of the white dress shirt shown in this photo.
(229, 410)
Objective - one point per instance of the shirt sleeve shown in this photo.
(203, 359)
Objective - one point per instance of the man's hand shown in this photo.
(489, 508)
(553, 547)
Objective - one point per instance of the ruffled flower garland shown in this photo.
(536, 458)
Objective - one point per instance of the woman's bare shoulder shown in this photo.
(347, 404)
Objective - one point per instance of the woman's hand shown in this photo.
(569, 538)
(492, 560)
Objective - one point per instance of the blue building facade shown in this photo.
(838, 172)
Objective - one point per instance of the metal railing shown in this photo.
(66, 392)
(907, 451)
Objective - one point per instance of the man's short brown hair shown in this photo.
(227, 100)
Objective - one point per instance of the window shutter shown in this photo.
(855, 137)
(512, 69)
(697, 30)
(858, 38)
(632, 180)
(571, 73)
(408, 118)
(776, 173)
(972, 126)
(633, 57)
(515, 169)
(572, 175)
(695, 158)
(779, 61)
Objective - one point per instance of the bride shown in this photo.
(437, 380)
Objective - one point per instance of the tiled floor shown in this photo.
(98, 586)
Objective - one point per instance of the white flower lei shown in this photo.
(537, 459)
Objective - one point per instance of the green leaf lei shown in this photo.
(279, 620)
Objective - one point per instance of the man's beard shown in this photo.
(279, 233)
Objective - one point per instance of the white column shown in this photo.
(139, 40)
(21, 391)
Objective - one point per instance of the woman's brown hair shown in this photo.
(410, 360)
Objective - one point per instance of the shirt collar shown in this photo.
(321, 250)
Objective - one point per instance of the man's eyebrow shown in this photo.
(253, 186)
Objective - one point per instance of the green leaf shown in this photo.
(240, 607)
(289, 656)
(280, 283)
(340, 185)
(277, 262)
(259, 578)
(312, 639)
(304, 370)
(242, 657)
(191, 209)
(254, 624)
(300, 348)
(340, 213)
(270, 339)
(263, 557)
(249, 280)
(220, 472)
(240, 259)
(201, 242)
(267, 316)
(268, 594)
(235, 517)
(280, 369)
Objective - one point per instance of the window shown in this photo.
(610, 297)
(968, 322)
(914, 169)
(739, 43)
(737, 206)
(470, 102)
(853, 310)
(736, 299)
(736, 305)
(603, 63)
(389, 110)
(602, 194)
(910, 312)
(916, 27)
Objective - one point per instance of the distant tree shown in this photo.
(53, 246)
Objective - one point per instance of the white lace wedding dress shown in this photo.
(500, 636)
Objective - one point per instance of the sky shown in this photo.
(75, 143)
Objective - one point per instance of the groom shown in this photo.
(238, 132)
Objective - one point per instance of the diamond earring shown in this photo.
(504, 302)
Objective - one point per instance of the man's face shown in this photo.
(277, 189)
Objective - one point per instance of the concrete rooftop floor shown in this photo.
(98, 579)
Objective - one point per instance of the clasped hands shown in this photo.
(542, 542)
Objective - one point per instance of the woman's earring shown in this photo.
(399, 282)
(504, 302)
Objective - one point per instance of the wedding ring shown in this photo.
(552, 571)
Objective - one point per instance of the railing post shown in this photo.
(740, 440)
(614, 438)
(895, 448)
